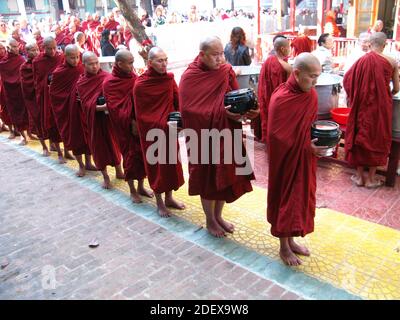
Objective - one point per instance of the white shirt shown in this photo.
(325, 58)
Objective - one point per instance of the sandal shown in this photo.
(376, 184)
(356, 181)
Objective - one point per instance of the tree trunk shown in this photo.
(232, 4)
(135, 25)
(214, 4)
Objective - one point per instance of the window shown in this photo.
(30, 5)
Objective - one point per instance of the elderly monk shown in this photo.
(67, 109)
(292, 160)
(201, 98)
(118, 91)
(5, 120)
(99, 133)
(274, 71)
(28, 93)
(363, 46)
(369, 127)
(9, 72)
(302, 43)
(43, 66)
(156, 95)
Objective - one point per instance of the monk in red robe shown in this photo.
(292, 161)
(43, 66)
(156, 95)
(39, 39)
(99, 133)
(201, 98)
(5, 120)
(369, 127)
(302, 43)
(111, 23)
(9, 72)
(274, 71)
(28, 93)
(67, 109)
(118, 91)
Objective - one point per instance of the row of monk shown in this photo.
(68, 110)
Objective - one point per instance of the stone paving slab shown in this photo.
(47, 221)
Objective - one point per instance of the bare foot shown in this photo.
(81, 172)
(90, 167)
(106, 183)
(227, 226)
(32, 137)
(23, 142)
(119, 175)
(68, 155)
(299, 249)
(289, 258)
(11, 136)
(164, 212)
(46, 153)
(215, 229)
(144, 192)
(172, 203)
(61, 160)
(136, 198)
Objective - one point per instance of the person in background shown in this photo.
(324, 52)
(236, 51)
(107, 49)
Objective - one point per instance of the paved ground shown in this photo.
(47, 221)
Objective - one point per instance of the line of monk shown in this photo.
(109, 117)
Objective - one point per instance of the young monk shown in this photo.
(292, 161)
(274, 71)
(101, 138)
(9, 72)
(67, 109)
(156, 95)
(118, 91)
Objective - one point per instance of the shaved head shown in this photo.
(13, 46)
(154, 52)
(12, 42)
(123, 55)
(124, 60)
(304, 61)
(91, 62)
(71, 49)
(158, 60)
(378, 40)
(48, 41)
(209, 42)
(32, 49)
(87, 56)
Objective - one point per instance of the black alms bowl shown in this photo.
(101, 100)
(327, 133)
(175, 117)
(241, 100)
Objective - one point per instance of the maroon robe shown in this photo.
(111, 25)
(201, 98)
(292, 164)
(301, 44)
(369, 127)
(44, 65)
(272, 74)
(100, 136)
(4, 116)
(118, 91)
(67, 109)
(9, 72)
(28, 93)
(156, 95)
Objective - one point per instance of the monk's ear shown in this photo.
(201, 53)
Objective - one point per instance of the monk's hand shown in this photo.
(102, 107)
(231, 115)
(135, 131)
(252, 113)
(318, 151)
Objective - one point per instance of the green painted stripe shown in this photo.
(265, 267)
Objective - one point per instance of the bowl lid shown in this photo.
(238, 92)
